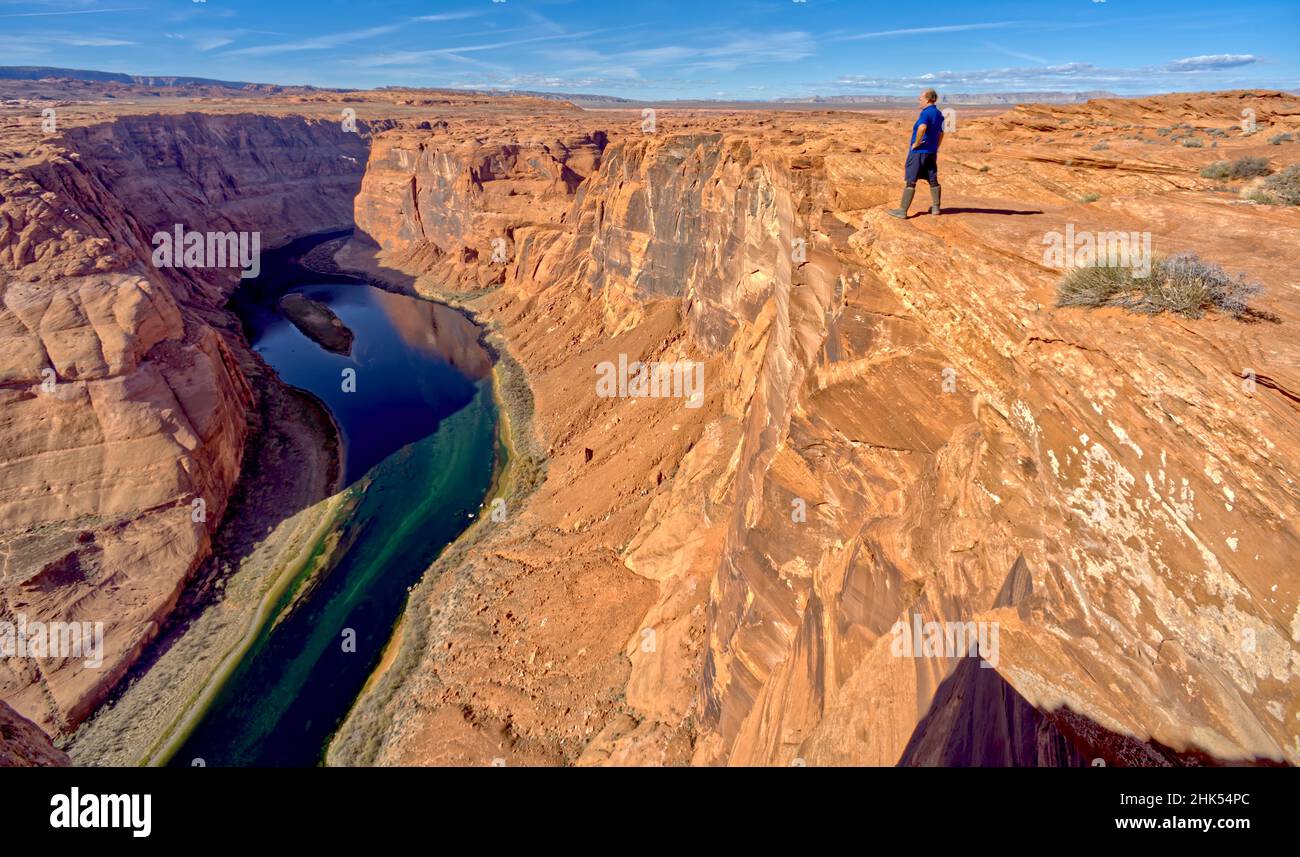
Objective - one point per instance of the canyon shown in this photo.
(896, 421)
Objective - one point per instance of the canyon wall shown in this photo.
(24, 745)
(897, 423)
(124, 402)
(450, 206)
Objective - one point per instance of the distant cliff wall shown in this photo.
(123, 400)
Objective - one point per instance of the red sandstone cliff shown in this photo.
(144, 412)
(657, 601)
(24, 745)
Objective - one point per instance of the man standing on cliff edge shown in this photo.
(923, 154)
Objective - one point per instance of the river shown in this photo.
(418, 422)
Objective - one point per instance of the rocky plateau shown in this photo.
(897, 420)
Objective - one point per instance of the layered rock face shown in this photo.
(898, 425)
(450, 206)
(24, 745)
(123, 423)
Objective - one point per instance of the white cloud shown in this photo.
(93, 42)
(317, 43)
(1213, 62)
(447, 16)
(1072, 76)
(739, 50)
(914, 31)
(454, 52)
(1017, 54)
(211, 43)
(72, 12)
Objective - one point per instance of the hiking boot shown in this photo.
(901, 211)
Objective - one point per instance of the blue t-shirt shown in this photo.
(932, 119)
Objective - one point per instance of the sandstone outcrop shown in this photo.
(897, 422)
(24, 745)
(317, 321)
(449, 205)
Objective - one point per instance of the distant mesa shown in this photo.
(36, 72)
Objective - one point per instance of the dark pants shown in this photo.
(922, 165)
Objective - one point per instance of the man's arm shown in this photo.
(920, 136)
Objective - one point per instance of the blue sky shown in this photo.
(703, 49)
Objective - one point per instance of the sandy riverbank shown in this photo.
(357, 739)
(287, 496)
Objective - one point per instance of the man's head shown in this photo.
(928, 97)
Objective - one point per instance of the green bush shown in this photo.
(1182, 284)
(1279, 139)
(1192, 143)
(1218, 170)
(1090, 197)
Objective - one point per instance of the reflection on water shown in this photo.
(415, 362)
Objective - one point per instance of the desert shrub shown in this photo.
(1182, 284)
(1163, 132)
(1192, 143)
(1282, 188)
(1242, 168)
(1090, 197)
(1217, 132)
(1101, 147)
(1246, 168)
(984, 168)
(1218, 170)
(1279, 139)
